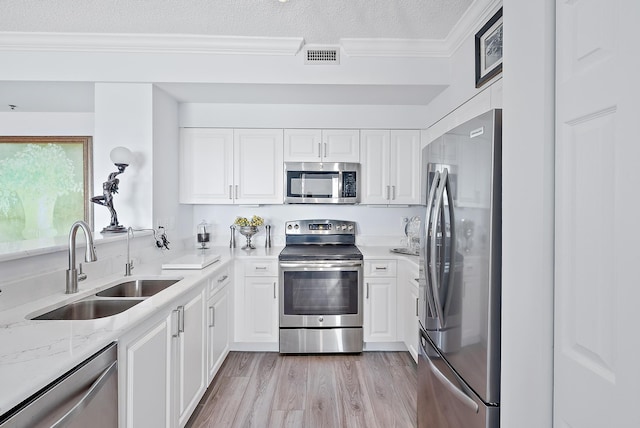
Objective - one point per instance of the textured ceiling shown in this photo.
(317, 21)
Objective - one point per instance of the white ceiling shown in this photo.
(316, 21)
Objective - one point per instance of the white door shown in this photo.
(597, 292)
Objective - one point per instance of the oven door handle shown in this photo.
(321, 265)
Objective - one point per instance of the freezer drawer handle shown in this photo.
(84, 401)
(460, 395)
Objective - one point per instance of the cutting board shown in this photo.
(192, 261)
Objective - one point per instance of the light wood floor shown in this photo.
(266, 389)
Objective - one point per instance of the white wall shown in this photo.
(462, 86)
(167, 212)
(528, 165)
(124, 117)
(43, 124)
(302, 116)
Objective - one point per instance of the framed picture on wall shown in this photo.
(45, 185)
(489, 50)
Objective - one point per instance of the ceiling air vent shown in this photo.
(322, 56)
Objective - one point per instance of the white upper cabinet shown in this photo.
(206, 165)
(326, 145)
(391, 167)
(226, 166)
(258, 166)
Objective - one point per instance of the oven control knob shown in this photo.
(289, 227)
(296, 227)
(320, 319)
(350, 227)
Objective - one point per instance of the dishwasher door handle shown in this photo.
(88, 396)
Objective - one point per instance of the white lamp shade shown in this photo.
(121, 156)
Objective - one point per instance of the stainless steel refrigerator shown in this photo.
(460, 283)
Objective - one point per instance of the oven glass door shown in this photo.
(315, 296)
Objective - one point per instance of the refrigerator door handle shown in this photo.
(435, 280)
(452, 246)
(428, 239)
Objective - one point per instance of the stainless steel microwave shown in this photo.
(321, 183)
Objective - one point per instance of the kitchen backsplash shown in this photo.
(375, 225)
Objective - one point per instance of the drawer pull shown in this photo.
(223, 279)
(381, 268)
(261, 268)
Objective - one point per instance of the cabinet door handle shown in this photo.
(325, 150)
(367, 296)
(175, 323)
(230, 195)
(212, 315)
(236, 191)
(387, 198)
(393, 193)
(274, 290)
(180, 319)
(320, 150)
(417, 304)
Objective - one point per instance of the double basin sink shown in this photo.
(111, 301)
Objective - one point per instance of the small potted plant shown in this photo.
(248, 228)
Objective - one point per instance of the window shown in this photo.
(45, 185)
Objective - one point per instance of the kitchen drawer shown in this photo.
(261, 268)
(384, 268)
(221, 278)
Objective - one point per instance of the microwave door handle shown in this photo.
(435, 279)
(428, 239)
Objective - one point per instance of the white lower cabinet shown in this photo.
(256, 317)
(144, 367)
(380, 301)
(218, 327)
(162, 365)
(408, 307)
(190, 380)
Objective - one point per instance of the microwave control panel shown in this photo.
(349, 181)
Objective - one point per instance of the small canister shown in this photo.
(232, 241)
(267, 242)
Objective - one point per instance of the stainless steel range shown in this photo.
(320, 288)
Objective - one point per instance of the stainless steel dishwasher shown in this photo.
(86, 396)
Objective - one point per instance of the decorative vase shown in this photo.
(248, 232)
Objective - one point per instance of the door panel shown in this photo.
(597, 175)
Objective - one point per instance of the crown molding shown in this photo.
(471, 21)
(149, 43)
(478, 13)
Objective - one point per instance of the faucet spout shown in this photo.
(89, 256)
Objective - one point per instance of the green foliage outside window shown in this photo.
(43, 186)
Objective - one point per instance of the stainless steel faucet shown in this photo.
(128, 267)
(73, 276)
